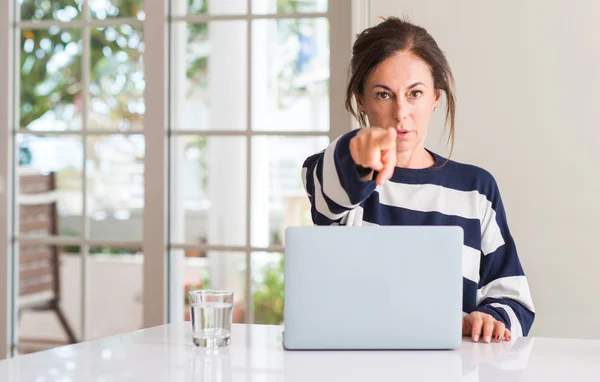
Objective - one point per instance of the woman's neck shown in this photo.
(415, 159)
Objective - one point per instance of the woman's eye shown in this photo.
(383, 95)
(416, 94)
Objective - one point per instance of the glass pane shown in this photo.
(39, 327)
(267, 288)
(278, 196)
(205, 270)
(289, 6)
(50, 196)
(116, 306)
(115, 188)
(50, 87)
(209, 77)
(290, 75)
(60, 10)
(117, 78)
(212, 7)
(208, 190)
(106, 9)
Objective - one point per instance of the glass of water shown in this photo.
(211, 312)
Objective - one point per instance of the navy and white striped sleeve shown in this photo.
(503, 291)
(332, 182)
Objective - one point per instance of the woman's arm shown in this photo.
(333, 182)
(503, 288)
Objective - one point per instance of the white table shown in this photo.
(166, 353)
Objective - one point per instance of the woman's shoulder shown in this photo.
(467, 176)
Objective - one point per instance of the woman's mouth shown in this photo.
(402, 133)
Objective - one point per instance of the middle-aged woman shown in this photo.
(382, 174)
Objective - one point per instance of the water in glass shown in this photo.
(211, 323)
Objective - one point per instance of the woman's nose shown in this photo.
(400, 110)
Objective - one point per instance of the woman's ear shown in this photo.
(438, 96)
(359, 103)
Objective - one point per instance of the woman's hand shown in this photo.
(479, 324)
(375, 148)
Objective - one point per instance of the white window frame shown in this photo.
(345, 18)
(6, 86)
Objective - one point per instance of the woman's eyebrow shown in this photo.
(416, 84)
(390, 90)
(383, 86)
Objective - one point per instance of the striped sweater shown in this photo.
(452, 194)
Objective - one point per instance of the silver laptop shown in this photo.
(389, 287)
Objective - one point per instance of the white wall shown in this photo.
(528, 89)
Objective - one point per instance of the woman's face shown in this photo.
(400, 93)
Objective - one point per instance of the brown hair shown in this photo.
(375, 44)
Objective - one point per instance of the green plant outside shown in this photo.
(268, 296)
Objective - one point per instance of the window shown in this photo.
(175, 132)
(79, 118)
(249, 100)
